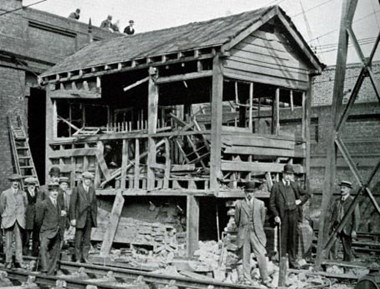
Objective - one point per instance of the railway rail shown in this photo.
(80, 275)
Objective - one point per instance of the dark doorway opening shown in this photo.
(208, 215)
(37, 130)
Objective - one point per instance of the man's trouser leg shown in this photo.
(78, 244)
(87, 237)
(292, 236)
(18, 241)
(35, 241)
(54, 252)
(8, 244)
(347, 247)
(44, 252)
(284, 235)
(246, 258)
(260, 253)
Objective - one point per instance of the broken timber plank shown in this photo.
(257, 167)
(112, 224)
(101, 161)
(118, 171)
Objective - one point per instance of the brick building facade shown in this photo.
(30, 42)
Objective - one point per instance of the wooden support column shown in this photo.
(137, 164)
(306, 135)
(216, 123)
(330, 170)
(250, 125)
(124, 163)
(51, 125)
(276, 113)
(112, 224)
(192, 225)
(152, 125)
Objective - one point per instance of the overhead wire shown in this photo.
(312, 8)
(22, 7)
(357, 20)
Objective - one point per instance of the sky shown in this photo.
(319, 24)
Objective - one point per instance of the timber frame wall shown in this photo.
(260, 79)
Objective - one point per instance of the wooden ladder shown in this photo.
(22, 157)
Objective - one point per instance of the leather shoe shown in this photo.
(8, 265)
(85, 260)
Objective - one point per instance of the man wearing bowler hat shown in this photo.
(83, 214)
(349, 231)
(250, 218)
(32, 230)
(285, 203)
(13, 204)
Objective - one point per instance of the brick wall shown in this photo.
(31, 41)
(12, 103)
(323, 85)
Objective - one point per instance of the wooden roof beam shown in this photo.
(141, 63)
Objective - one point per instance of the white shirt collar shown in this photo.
(343, 198)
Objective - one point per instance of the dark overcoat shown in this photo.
(82, 203)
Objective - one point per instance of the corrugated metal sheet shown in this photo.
(195, 35)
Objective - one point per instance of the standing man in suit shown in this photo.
(32, 230)
(83, 214)
(13, 203)
(285, 203)
(49, 216)
(250, 218)
(349, 231)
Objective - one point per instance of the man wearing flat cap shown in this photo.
(83, 214)
(13, 204)
(250, 218)
(285, 203)
(340, 208)
(32, 231)
(48, 217)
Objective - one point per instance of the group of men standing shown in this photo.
(285, 204)
(43, 215)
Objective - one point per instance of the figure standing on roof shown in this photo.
(32, 230)
(107, 23)
(13, 204)
(115, 26)
(129, 29)
(75, 15)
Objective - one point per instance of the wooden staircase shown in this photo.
(21, 154)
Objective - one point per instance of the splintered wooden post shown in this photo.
(112, 224)
(152, 125)
(216, 123)
(124, 163)
(282, 272)
(192, 224)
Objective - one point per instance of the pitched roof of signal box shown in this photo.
(196, 35)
